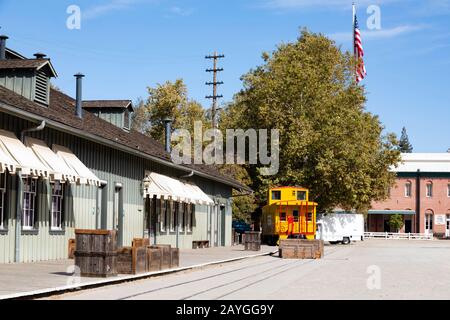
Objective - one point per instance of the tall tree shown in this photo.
(404, 145)
(139, 118)
(328, 142)
(168, 100)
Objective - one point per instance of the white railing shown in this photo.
(398, 236)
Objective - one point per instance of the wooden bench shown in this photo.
(200, 244)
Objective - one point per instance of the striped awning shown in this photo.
(402, 212)
(164, 187)
(83, 174)
(59, 169)
(14, 154)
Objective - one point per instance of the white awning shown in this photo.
(166, 187)
(6, 161)
(84, 175)
(23, 156)
(59, 169)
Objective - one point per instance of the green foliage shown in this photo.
(396, 222)
(328, 142)
(404, 145)
(168, 100)
(243, 204)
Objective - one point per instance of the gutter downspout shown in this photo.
(19, 195)
(191, 174)
(178, 225)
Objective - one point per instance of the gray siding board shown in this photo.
(81, 205)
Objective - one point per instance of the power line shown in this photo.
(215, 70)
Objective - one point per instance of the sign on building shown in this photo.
(439, 219)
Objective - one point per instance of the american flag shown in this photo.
(359, 54)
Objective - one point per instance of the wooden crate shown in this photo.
(139, 260)
(125, 260)
(71, 249)
(154, 259)
(301, 249)
(175, 261)
(96, 240)
(95, 253)
(141, 242)
(96, 265)
(253, 236)
(252, 241)
(253, 246)
(166, 255)
(132, 260)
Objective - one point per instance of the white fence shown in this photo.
(398, 236)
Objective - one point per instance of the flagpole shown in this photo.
(353, 35)
(353, 24)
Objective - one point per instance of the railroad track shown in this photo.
(267, 272)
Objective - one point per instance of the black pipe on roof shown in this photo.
(3, 39)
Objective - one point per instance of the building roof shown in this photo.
(11, 54)
(425, 162)
(27, 64)
(60, 114)
(99, 104)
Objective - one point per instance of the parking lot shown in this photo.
(373, 269)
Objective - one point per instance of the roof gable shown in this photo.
(36, 64)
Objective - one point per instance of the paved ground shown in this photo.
(17, 278)
(374, 269)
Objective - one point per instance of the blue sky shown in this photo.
(124, 46)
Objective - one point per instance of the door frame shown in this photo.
(429, 218)
(118, 189)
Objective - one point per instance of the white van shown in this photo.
(340, 227)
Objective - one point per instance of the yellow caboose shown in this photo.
(288, 213)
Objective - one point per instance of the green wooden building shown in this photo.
(69, 164)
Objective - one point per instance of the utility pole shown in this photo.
(214, 83)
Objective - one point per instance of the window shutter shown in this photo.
(42, 88)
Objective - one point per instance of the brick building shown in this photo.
(421, 195)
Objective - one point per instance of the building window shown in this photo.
(57, 214)
(448, 190)
(283, 216)
(301, 195)
(162, 211)
(310, 216)
(173, 215)
(408, 189)
(190, 216)
(429, 222)
(2, 201)
(276, 195)
(181, 213)
(429, 189)
(29, 203)
(126, 120)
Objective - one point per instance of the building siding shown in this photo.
(84, 210)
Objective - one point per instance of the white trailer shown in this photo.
(340, 227)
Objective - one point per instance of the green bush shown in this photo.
(396, 222)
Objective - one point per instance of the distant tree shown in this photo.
(168, 100)
(396, 222)
(139, 118)
(243, 204)
(404, 145)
